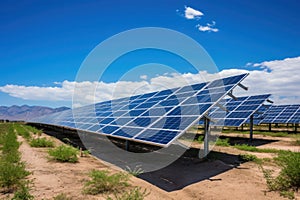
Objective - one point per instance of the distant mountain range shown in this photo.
(25, 112)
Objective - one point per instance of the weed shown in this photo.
(245, 147)
(200, 139)
(223, 142)
(64, 153)
(12, 174)
(22, 131)
(249, 158)
(62, 196)
(288, 179)
(135, 194)
(136, 171)
(22, 192)
(297, 142)
(102, 182)
(41, 142)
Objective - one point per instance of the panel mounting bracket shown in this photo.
(242, 86)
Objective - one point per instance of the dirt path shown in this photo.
(52, 178)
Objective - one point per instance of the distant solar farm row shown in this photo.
(159, 118)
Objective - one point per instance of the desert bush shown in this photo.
(103, 182)
(223, 142)
(64, 153)
(41, 142)
(288, 179)
(62, 196)
(135, 171)
(135, 194)
(248, 158)
(22, 192)
(22, 131)
(12, 174)
(245, 147)
(200, 139)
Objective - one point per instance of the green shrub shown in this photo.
(62, 196)
(288, 179)
(33, 130)
(248, 158)
(22, 192)
(290, 164)
(223, 142)
(64, 153)
(41, 142)
(102, 182)
(136, 171)
(12, 173)
(22, 131)
(245, 147)
(297, 142)
(134, 194)
(200, 139)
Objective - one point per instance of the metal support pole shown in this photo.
(251, 128)
(270, 127)
(296, 126)
(127, 145)
(206, 138)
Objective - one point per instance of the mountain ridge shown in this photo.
(26, 112)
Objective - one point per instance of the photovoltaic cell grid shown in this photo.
(238, 111)
(156, 118)
(259, 114)
(282, 114)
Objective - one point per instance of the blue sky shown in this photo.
(43, 43)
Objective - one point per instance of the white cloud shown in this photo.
(279, 78)
(191, 13)
(208, 27)
(143, 77)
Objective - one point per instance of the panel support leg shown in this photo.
(206, 139)
(251, 128)
(296, 126)
(270, 127)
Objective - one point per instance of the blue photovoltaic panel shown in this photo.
(238, 110)
(156, 118)
(282, 114)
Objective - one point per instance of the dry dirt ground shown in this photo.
(212, 179)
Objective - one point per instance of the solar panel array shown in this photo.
(157, 118)
(282, 114)
(238, 111)
(259, 114)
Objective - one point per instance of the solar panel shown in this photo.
(156, 118)
(282, 114)
(238, 111)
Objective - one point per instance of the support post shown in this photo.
(270, 127)
(127, 145)
(251, 128)
(206, 138)
(296, 126)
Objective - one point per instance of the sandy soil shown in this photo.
(196, 180)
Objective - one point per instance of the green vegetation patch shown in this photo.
(135, 194)
(245, 147)
(103, 182)
(223, 142)
(288, 179)
(41, 142)
(64, 153)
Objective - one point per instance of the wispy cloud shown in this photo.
(208, 27)
(278, 77)
(143, 77)
(191, 13)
